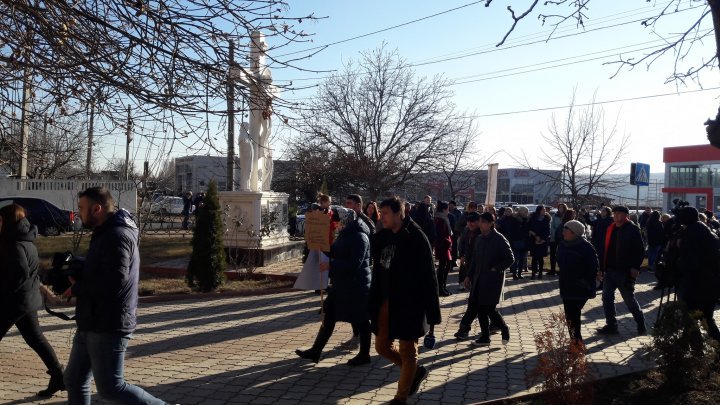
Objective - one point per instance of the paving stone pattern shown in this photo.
(241, 351)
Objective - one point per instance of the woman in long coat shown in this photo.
(347, 299)
(539, 231)
(492, 256)
(578, 263)
(20, 290)
(443, 245)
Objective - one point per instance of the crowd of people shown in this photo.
(388, 267)
(397, 272)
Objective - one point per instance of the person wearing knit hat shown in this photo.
(576, 227)
(578, 263)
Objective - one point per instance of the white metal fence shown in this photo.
(64, 193)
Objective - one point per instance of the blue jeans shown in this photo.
(103, 354)
(618, 280)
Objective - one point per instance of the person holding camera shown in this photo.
(20, 290)
(107, 295)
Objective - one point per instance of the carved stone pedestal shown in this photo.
(256, 224)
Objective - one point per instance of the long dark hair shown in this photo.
(11, 215)
(375, 216)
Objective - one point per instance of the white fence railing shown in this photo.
(64, 193)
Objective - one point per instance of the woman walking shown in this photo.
(20, 290)
(578, 263)
(347, 298)
(443, 245)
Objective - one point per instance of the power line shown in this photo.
(593, 103)
(382, 30)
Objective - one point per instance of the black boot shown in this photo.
(315, 351)
(364, 356)
(56, 383)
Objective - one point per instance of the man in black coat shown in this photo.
(623, 254)
(403, 294)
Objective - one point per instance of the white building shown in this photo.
(194, 173)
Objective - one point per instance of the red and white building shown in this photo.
(692, 173)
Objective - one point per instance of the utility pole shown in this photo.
(230, 179)
(25, 124)
(91, 127)
(129, 137)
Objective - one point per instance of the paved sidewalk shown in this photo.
(241, 350)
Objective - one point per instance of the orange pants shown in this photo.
(406, 358)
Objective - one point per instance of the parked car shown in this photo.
(49, 219)
(167, 206)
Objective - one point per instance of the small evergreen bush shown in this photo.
(206, 271)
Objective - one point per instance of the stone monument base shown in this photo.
(259, 257)
(256, 224)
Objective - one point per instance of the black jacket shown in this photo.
(19, 263)
(698, 279)
(578, 265)
(628, 252)
(541, 228)
(350, 273)
(404, 274)
(655, 233)
(492, 256)
(107, 290)
(599, 228)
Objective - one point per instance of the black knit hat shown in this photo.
(473, 217)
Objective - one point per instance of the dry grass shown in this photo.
(153, 248)
(157, 285)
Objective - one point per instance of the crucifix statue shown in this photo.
(261, 94)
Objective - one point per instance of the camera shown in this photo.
(678, 204)
(64, 265)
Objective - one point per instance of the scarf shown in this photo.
(608, 235)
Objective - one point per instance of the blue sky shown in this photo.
(494, 83)
(652, 123)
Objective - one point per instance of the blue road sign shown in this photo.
(642, 174)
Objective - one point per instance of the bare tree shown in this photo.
(589, 148)
(314, 163)
(382, 121)
(459, 158)
(168, 59)
(677, 46)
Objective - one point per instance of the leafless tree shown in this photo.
(313, 163)
(383, 121)
(678, 46)
(55, 148)
(168, 59)
(590, 149)
(459, 158)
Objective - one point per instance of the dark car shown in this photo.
(49, 219)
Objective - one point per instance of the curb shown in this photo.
(229, 274)
(212, 295)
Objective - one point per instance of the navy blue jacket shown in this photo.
(350, 273)
(107, 290)
(578, 263)
(20, 289)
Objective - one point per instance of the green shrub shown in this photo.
(206, 270)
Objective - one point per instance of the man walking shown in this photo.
(403, 294)
(107, 296)
(623, 254)
(354, 202)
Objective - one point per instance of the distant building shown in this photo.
(194, 173)
(520, 186)
(692, 173)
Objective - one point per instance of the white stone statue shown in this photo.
(247, 157)
(261, 94)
